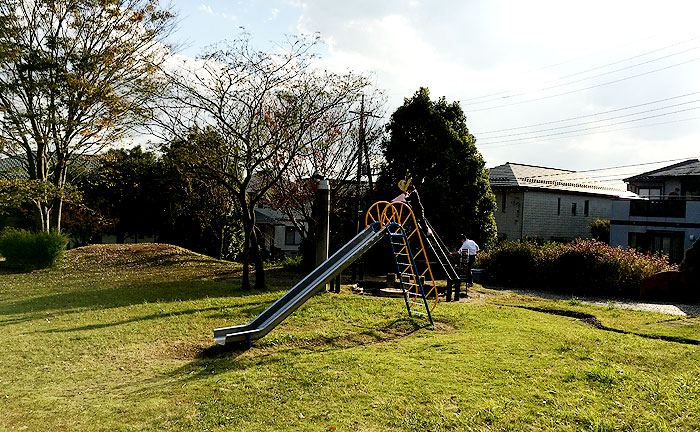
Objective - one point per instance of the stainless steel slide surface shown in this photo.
(302, 291)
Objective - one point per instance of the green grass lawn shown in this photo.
(120, 338)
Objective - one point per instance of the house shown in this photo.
(667, 218)
(548, 203)
(279, 235)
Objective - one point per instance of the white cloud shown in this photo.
(515, 51)
(273, 14)
(209, 10)
(206, 8)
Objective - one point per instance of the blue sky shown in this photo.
(573, 85)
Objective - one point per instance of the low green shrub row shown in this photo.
(581, 266)
(26, 250)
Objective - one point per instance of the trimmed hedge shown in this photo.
(27, 250)
(581, 266)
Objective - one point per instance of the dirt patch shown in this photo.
(180, 349)
(445, 328)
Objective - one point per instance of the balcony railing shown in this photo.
(663, 208)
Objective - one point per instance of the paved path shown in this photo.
(669, 308)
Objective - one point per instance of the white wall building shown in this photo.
(548, 203)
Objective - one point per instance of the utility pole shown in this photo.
(363, 164)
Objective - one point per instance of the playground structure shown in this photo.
(392, 220)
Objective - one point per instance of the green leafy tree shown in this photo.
(200, 213)
(123, 194)
(75, 76)
(429, 142)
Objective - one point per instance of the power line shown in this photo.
(585, 71)
(587, 115)
(493, 145)
(591, 128)
(602, 120)
(574, 177)
(587, 88)
(588, 78)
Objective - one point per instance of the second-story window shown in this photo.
(586, 207)
(573, 209)
(650, 193)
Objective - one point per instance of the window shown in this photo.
(292, 237)
(573, 209)
(586, 207)
(558, 206)
(503, 203)
(666, 243)
(649, 192)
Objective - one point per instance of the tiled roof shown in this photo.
(11, 168)
(686, 168)
(553, 179)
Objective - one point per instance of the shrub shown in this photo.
(691, 262)
(582, 266)
(510, 263)
(600, 230)
(292, 264)
(27, 250)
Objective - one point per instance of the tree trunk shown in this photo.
(247, 240)
(257, 261)
(45, 216)
(56, 222)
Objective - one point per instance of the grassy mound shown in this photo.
(138, 255)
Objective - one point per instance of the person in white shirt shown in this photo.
(468, 252)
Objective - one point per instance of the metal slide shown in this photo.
(303, 290)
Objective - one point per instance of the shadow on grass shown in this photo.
(217, 359)
(592, 321)
(7, 269)
(124, 295)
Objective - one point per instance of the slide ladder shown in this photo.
(410, 255)
(407, 273)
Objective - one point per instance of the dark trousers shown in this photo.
(470, 262)
(452, 283)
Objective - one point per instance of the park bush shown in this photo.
(26, 250)
(691, 262)
(581, 266)
(600, 230)
(511, 263)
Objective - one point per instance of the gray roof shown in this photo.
(690, 167)
(11, 168)
(515, 175)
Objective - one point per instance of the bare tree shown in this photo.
(349, 152)
(267, 109)
(75, 76)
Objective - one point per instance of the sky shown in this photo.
(571, 85)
